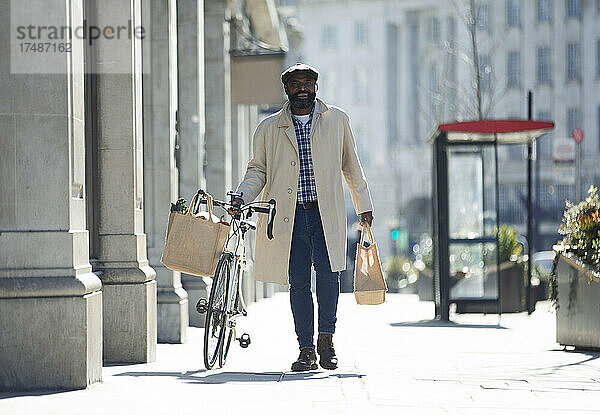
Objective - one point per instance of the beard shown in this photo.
(302, 103)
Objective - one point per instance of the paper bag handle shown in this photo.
(209, 204)
(362, 234)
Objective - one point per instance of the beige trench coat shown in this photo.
(274, 169)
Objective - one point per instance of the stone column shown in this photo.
(190, 42)
(218, 98)
(129, 284)
(244, 121)
(50, 301)
(161, 184)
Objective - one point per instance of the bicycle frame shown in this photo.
(236, 272)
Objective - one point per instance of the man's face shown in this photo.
(301, 90)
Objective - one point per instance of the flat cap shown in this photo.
(299, 67)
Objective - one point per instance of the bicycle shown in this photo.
(225, 302)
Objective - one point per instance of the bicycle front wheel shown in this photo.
(229, 334)
(216, 313)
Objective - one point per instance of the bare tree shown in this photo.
(465, 100)
(467, 12)
(471, 22)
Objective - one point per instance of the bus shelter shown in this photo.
(466, 210)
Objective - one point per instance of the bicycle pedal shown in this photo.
(244, 340)
(202, 305)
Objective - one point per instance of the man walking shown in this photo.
(300, 155)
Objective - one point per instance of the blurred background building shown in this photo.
(401, 67)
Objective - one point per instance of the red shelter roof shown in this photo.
(503, 131)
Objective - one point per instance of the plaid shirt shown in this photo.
(307, 189)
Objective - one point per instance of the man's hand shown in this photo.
(234, 210)
(366, 217)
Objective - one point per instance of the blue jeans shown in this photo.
(309, 248)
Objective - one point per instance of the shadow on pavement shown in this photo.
(450, 324)
(593, 355)
(189, 373)
(319, 375)
(104, 364)
(225, 377)
(7, 395)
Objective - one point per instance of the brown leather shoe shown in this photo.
(306, 361)
(328, 359)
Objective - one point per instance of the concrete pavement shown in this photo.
(393, 359)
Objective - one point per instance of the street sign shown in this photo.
(563, 150)
(577, 135)
(564, 173)
(402, 242)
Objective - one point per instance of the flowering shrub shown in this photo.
(581, 229)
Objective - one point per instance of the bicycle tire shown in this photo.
(229, 337)
(216, 314)
(229, 332)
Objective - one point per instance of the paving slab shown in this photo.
(394, 358)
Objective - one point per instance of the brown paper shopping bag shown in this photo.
(194, 243)
(369, 284)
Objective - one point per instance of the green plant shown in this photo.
(507, 243)
(428, 259)
(540, 272)
(393, 266)
(423, 253)
(399, 272)
(553, 284)
(581, 229)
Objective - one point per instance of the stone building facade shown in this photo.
(94, 146)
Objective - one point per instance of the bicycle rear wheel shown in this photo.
(216, 313)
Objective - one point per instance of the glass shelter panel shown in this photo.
(473, 271)
(465, 198)
(472, 222)
(490, 214)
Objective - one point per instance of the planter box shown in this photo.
(425, 285)
(393, 286)
(513, 289)
(578, 312)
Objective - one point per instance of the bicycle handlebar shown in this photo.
(271, 211)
